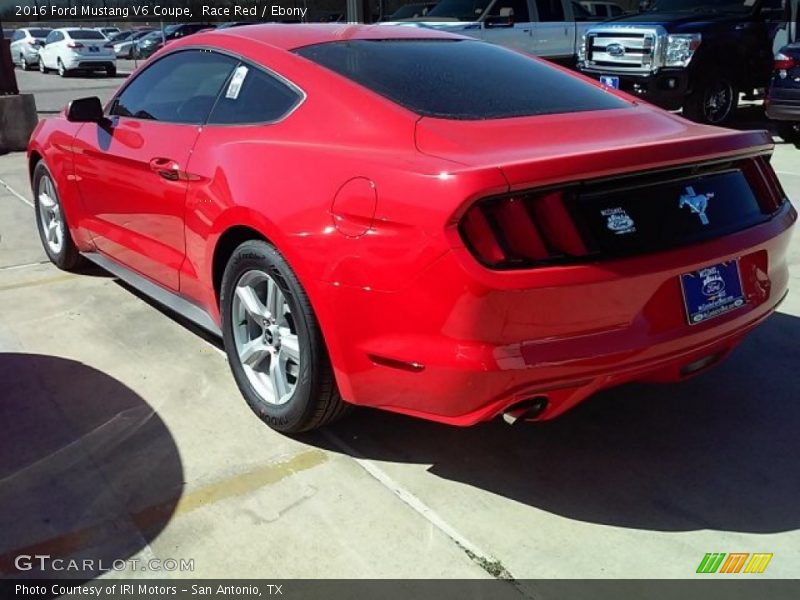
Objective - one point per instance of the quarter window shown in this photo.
(179, 88)
(253, 96)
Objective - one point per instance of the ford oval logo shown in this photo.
(615, 50)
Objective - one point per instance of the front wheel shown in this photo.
(274, 343)
(42, 68)
(713, 102)
(789, 131)
(52, 222)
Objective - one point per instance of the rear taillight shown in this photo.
(784, 62)
(764, 183)
(521, 231)
(74, 45)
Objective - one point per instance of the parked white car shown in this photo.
(552, 29)
(68, 49)
(25, 44)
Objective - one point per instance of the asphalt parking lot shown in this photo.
(122, 435)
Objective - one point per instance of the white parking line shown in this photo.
(16, 193)
(475, 553)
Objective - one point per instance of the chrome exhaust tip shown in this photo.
(527, 410)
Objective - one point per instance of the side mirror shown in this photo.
(85, 110)
(504, 19)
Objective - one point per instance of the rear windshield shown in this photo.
(85, 34)
(459, 79)
(39, 33)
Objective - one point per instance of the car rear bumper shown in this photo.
(463, 344)
(90, 62)
(783, 104)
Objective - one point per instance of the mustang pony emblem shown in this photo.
(697, 203)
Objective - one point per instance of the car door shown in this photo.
(16, 40)
(131, 169)
(508, 23)
(47, 53)
(554, 31)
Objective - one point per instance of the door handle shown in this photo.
(166, 168)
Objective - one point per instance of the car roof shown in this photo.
(290, 36)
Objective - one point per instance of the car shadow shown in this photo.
(720, 451)
(88, 471)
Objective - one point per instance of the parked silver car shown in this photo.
(25, 44)
(124, 48)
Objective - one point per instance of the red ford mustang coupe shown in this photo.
(415, 221)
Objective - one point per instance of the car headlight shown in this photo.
(582, 49)
(681, 49)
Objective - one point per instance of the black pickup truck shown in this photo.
(695, 55)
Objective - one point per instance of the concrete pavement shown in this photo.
(122, 435)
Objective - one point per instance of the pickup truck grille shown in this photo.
(623, 49)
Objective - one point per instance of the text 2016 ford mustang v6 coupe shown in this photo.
(415, 221)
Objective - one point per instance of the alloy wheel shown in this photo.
(23, 65)
(718, 101)
(265, 337)
(51, 220)
(61, 70)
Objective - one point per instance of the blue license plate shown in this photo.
(610, 81)
(712, 291)
(94, 49)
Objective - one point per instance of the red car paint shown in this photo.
(364, 199)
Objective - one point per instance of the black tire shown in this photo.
(315, 401)
(713, 101)
(789, 131)
(23, 64)
(42, 68)
(111, 71)
(62, 71)
(67, 258)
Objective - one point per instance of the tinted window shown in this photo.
(253, 96)
(85, 34)
(179, 88)
(18, 35)
(460, 79)
(39, 33)
(614, 11)
(550, 10)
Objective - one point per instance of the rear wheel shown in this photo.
(713, 101)
(274, 343)
(111, 71)
(23, 64)
(52, 222)
(789, 131)
(62, 71)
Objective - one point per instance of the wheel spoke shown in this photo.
(274, 299)
(46, 200)
(252, 304)
(290, 347)
(254, 352)
(52, 231)
(277, 375)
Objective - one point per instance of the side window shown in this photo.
(51, 37)
(18, 35)
(518, 10)
(253, 96)
(179, 88)
(550, 10)
(614, 10)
